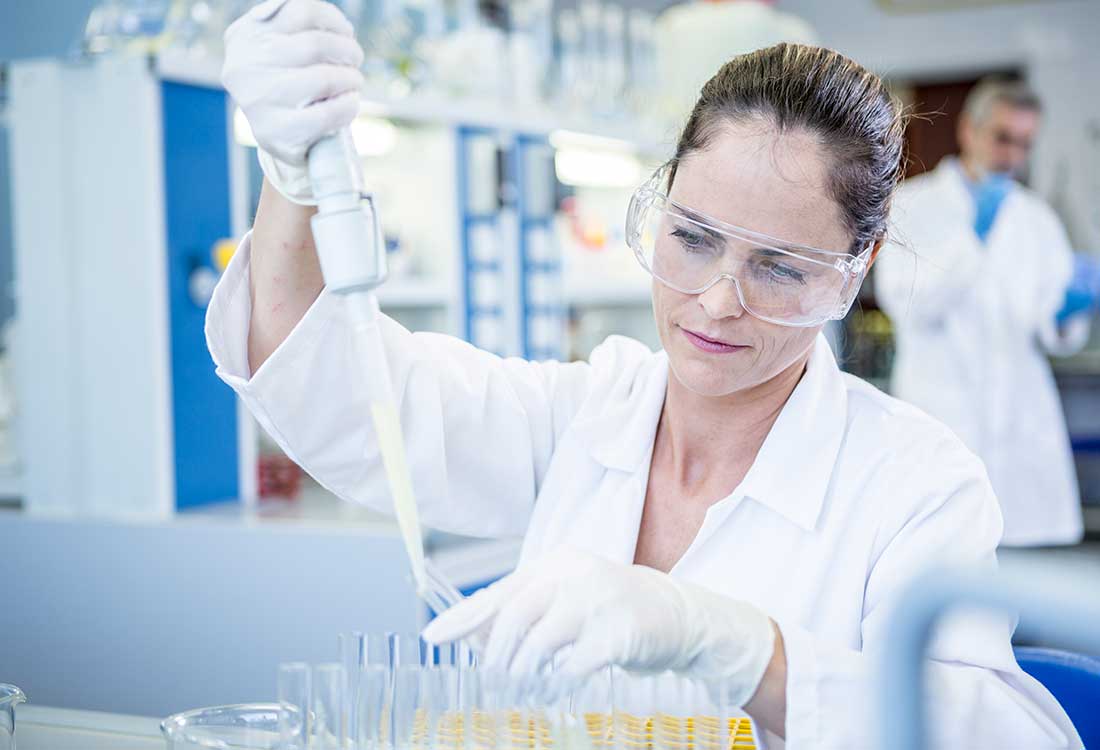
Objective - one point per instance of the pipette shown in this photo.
(348, 236)
(352, 253)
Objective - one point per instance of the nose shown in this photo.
(722, 300)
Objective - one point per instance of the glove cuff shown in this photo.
(291, 181)
(731, 642)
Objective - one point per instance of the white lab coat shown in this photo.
(972, 324)
(851, 493)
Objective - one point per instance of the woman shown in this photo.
(733, 506)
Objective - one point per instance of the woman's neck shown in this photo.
(702, 435)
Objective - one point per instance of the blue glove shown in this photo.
(1083, 292)
(988, 195)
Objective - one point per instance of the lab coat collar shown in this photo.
(621, 432)
(793, 469)
(952, 179)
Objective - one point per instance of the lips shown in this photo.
(710, 345)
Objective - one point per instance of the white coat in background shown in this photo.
(974, 324)
(851, 494)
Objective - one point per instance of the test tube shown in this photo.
(405, 706)
(329, 727)
(406, 650)
(372, 709)
(293, 693)
(358, 651)
(635, 707)
(352, 647)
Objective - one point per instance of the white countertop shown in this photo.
(46, 728)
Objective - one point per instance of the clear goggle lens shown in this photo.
(788, 285)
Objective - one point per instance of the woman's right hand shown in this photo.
(296, 77)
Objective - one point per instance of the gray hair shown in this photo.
(990, 91)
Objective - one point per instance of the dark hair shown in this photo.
(796, 86)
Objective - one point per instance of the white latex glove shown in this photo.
(296, 77)
(609, 613)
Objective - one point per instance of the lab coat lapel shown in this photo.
(620, 438)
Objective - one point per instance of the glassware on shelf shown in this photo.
(570, 63)
(10, 697)
(530, 49)
(126, 26)
(642, 69)
(612, 65)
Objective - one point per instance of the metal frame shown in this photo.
(1053, 605)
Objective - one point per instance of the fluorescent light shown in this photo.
(589, 168)
(242, 131)
(573, 139)
(373, 136)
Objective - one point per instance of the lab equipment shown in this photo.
(352, 254)
(424, 698)
(642, 69)
(1052, 604)
(776, 281)
(130, 26)
(244, 726)
(612, 66)
(328, 722)
(10, 697)
(543, 615)
(570, 63)
(530, 49)
(591, 51)
(294, 691)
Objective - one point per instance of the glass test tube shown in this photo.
(293, 693)
(372, 708)
(357, 652)
(329, 727)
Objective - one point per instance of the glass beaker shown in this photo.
(247, 726)
(10, 697)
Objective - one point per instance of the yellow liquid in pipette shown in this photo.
(391, 443)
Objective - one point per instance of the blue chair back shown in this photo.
(1074, 680)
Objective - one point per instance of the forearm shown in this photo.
(768, 705)
(285, 275)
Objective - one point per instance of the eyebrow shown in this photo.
(702, 221)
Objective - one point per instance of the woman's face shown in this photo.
(775, 184)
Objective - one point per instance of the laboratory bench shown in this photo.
(46, 728)
(151, 616)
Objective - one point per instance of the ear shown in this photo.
(875, 251)
(963, 129)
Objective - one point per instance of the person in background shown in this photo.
(995, 289)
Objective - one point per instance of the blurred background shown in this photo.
(141, 503)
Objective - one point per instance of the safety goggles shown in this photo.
(776, 281)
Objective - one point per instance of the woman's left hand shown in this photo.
(610, 613)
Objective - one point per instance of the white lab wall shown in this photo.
(1054, 42)
(91, 351)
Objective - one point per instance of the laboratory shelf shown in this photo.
(495, 115)
(610, 294)
(11, 483)
(436, 109)
(412, 292)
